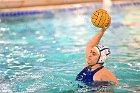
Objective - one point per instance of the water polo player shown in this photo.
(95, 58)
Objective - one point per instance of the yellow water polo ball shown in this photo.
(100, 18)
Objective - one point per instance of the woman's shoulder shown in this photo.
(108, 75)
(105, 71)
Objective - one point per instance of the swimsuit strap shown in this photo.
(86, 75)
(96, 70)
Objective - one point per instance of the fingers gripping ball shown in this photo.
(100, 18)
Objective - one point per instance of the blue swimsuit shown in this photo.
(86, 76)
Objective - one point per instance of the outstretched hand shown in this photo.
(104, 28)
(107, 26)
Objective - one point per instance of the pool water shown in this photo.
(43, 53)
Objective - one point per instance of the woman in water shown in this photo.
(95, 58)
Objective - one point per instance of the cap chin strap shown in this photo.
(98, 61)
(99, 52)
(90, 66)
(95, 64)
(99, 55)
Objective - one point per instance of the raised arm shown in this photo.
(95, 39)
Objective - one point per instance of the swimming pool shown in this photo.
(42, 52)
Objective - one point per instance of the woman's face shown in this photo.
(92, 56)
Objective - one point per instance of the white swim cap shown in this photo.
(104, 53)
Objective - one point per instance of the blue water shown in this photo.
(43, 53)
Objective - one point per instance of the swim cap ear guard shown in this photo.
(104, 53)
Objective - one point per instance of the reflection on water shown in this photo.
(43, 53)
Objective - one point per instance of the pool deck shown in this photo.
(60, 6)
(50, 7)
